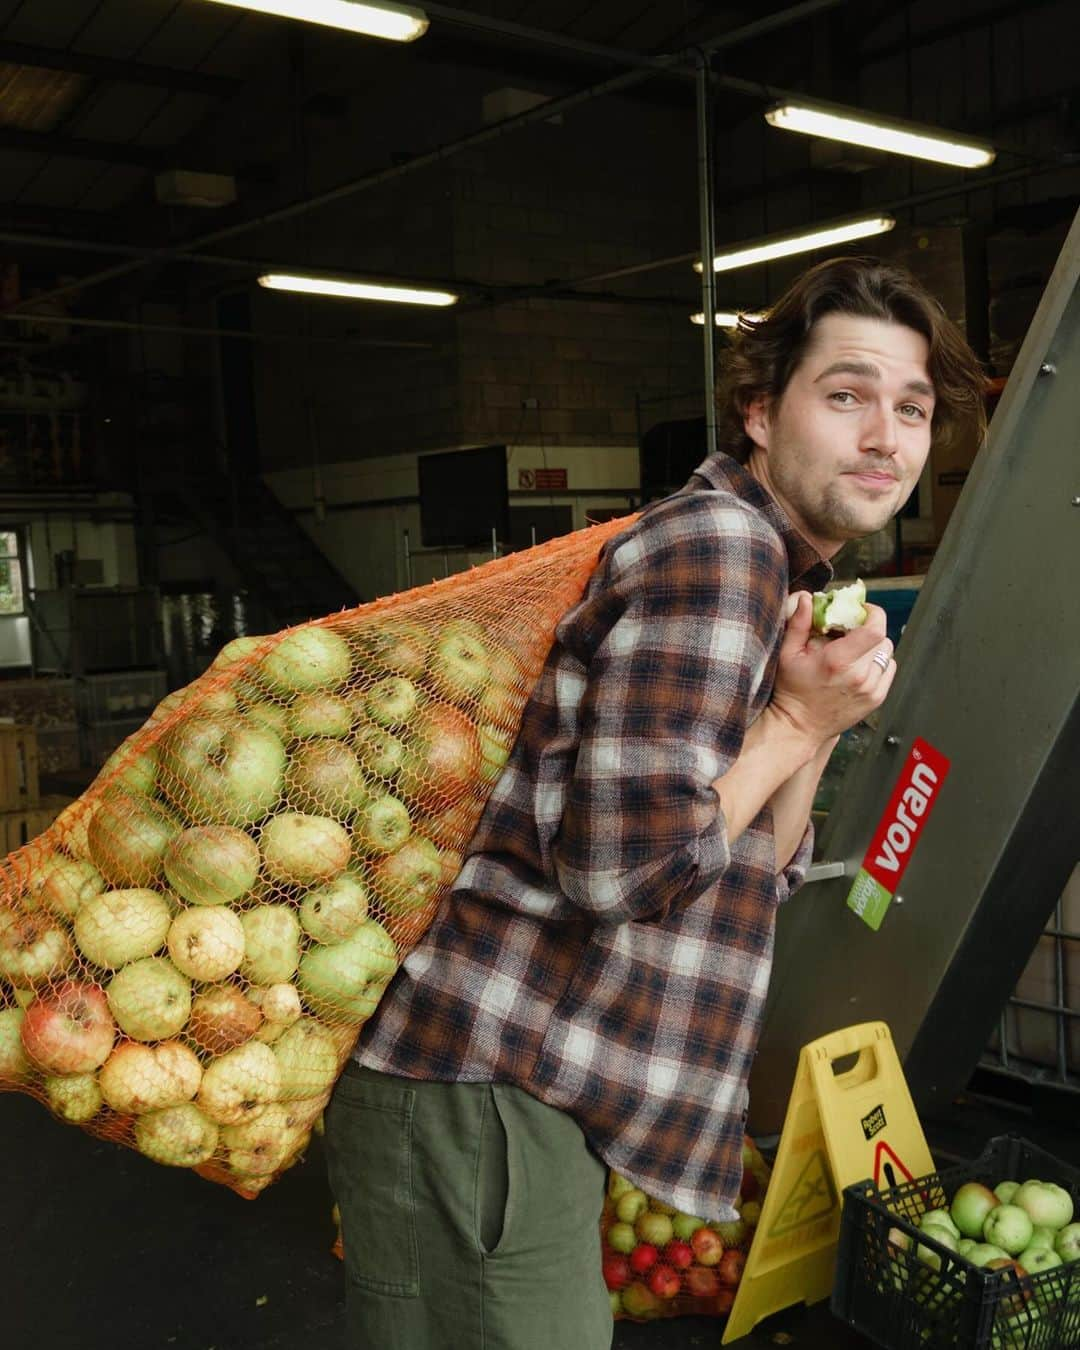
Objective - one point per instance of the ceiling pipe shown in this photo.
(675, 63)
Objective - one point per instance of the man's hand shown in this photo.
(826, 685)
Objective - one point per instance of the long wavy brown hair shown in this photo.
(765, 352)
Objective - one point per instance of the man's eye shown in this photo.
(842, 394)
(913, 410)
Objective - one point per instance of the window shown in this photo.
(11, 574)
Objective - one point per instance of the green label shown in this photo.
(869, 899)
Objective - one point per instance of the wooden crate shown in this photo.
(19, 786)
(19, 827)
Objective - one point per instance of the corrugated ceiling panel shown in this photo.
(60, 182)
(176, 119)
(114, 188)
(36, 100)
(16, 169)
(188, 33)
(54, 24)
(119, 28)
(119, 112)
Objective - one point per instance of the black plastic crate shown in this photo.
(902, 1304)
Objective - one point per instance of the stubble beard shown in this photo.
(834, 514)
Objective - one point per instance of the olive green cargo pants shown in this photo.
(470, 1216)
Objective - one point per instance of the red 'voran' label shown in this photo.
(908, 810)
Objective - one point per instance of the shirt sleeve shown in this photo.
(794, 874)
(675, 644)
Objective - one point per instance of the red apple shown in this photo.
(222, 1018)
(441, 758)
(643, 1258)
(69, 1029)
(664, 1282)
(731, 1266)
(679, 1254)
(616, 1271)
(702, 1282)
(708, 1247)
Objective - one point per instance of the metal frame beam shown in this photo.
(114, 68)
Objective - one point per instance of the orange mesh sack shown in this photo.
(660, 1263)
(187, 953)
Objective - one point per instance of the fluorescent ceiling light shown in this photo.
(784, 245)
(399, 23)
(726, 318)
(881, 133)
(356, 290)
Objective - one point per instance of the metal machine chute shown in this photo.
(989, 676)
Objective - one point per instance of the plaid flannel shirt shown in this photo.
(605, 947)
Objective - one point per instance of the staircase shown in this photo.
(286, 575)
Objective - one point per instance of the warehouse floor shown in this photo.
(100, 1249)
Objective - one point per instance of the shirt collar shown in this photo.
(805, 564)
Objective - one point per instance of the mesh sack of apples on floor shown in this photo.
(658, 1262)
(188, 952)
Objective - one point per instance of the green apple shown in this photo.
(308, 1058)
(74, 1097)
(943, 1237)
(460, 664)
(33, 947)
(325, 778)
(178, 1136)
(1067, 1242)
(212, 864)
(240, 1084)
(71, 827)
(654, 1228)
(396, 647)
(332, 911)
(1041, 1236)
(271, 943)
(206, 944)
(319, 713)
(14, 1064)
(222, 769)
(265, 1145)
(306, 658)
(684, 1226)
(622, 1238)
(272, 716)
(379, 751)
(970, 1206)
(139, 1078)
(382, 825)
(70, 884)
(303, 850)
(346, 979)
(941, 1218)
(236, 652)
(408, 879)
(985, 1251)
(278, 1003)
(1036, 1259)
(128, 836)
(1046, 1203)
(137, 773)
(392, 701)
(631, 1206)
(1005, 1190)
(150, 999)
(116, 927)
(1008, 1227)
(222, 1018)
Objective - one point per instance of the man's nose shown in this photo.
(879, 431)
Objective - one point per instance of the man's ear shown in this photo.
(756, 421)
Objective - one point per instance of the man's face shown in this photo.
(844, 447)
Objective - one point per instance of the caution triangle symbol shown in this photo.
(812, 1197)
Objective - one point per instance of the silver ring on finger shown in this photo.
(881, 659)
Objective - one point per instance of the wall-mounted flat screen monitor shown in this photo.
(463, 497)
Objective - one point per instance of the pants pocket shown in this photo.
(492, 1178)
(369, 1125)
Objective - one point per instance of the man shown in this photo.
(591, 991)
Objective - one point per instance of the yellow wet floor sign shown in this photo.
(850, 1117)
